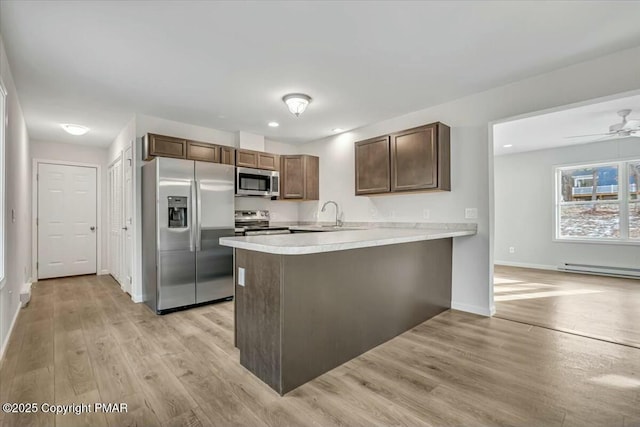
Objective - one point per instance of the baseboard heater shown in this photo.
(601, 270)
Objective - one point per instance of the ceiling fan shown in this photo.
(622, 129)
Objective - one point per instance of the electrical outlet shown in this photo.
(394, 214)
(471, 213)
(373, 213)
(273, 215)
(512, 250)
(240, 276)
(426, 214)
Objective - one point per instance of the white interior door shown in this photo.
(67, 220)
(115, 220)
(128, 220)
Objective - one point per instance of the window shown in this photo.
(3, 123)
(598, 202)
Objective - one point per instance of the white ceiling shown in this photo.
(226, 65)
(551, 130)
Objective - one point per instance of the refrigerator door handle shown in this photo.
(192, 231)
(199, 217)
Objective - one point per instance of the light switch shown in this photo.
(240, 276)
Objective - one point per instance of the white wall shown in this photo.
(145, 124)
(472, 157)
(524, 219)
(18, 198)
(82, 154)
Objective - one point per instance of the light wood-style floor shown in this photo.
(83, 340)
(606, 308)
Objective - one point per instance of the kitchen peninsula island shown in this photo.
(306, 303)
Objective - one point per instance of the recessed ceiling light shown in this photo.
(76, 130)
(273, 124)
(337, 129)
(508, 146)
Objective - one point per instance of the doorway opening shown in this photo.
(567, 219)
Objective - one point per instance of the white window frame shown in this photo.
(623, 202)
(3, 193)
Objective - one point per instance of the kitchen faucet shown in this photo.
(324, 207)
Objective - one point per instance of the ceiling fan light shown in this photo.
(296, 102)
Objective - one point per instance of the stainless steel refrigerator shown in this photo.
(186, 207)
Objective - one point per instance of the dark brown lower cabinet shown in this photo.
(299, 316)
(300, 177)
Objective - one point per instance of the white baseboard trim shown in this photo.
(136, 298)
(103, 272)
(25, 294)
(9, 333)
(527, 265)
(475, 309)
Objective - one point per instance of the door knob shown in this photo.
(125, 228)
(92, 228)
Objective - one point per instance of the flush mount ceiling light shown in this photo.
(337, 130)
(297, 102)
(76, 130)
(508, 146)
(273, 124)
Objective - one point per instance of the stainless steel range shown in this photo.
(256, 223)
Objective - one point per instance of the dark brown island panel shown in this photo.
(299, 316)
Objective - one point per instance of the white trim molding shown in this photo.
(9, 333)
(25, 294)
(475, 309)
(526, 265)
(34, 210)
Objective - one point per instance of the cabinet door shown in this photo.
(227, 155)
(247, 158)
(268, 161)
(414, 159)
(167, 146)
(311, 178)
(372, 166)
(292, 175)
(203, 152)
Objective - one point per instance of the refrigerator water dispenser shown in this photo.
(177, 212)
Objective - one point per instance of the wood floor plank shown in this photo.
(164, 392)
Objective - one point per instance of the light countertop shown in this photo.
(310, 243)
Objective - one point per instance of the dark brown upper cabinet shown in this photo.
(165, 146)
(372, 166)
(300, 177)
(416, 159)
(257, 159)
(169, 146)
(227, 155)
(203, 152)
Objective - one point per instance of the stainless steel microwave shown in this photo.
(257, 182)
